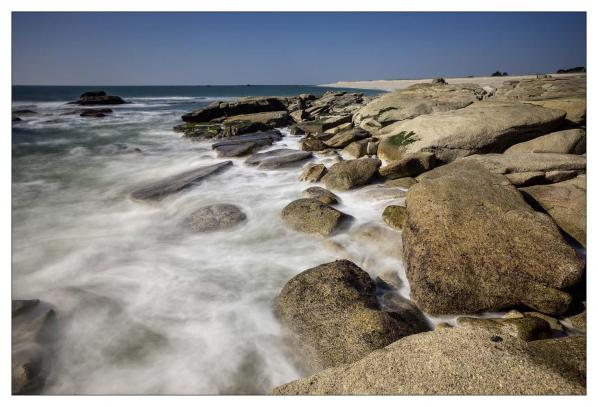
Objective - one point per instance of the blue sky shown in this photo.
(287, 48)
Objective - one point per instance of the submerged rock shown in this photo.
(273, 159)
(380, 239)
(394, 216)
(245, 144)
(175, 183)
(472, 244)
(566, 203)
(333, 315)
(349, 174)
(309, 215)
(95, 112)
(462, 360)
(215, 217)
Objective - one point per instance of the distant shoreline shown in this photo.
(395, 84)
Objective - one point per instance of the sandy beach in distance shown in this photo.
(395, 84)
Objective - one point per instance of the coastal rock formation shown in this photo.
(346, 137)
(95, 112)
(520, 168)
(333, 316)
(462, 360)
(416, 100)
(242, 145)
(482, 127)
(566, 203)
(561, 142)
(242, 106)
(472, 244)
(323, 123)
(349, 174)
(526, 328)
(33, 326)
(170, 185)
(394, 216)
(411, 165)
(309, 215)
(322, 195)
(215, 217)
(249, 123)
(98, 98)
(199, 130)
(312, 143)
(313, 172)
(356, 149)
(273, 159)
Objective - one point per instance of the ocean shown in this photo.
(144, 305)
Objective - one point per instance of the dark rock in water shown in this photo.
(322, 195)
(296, 131)
(95, 112)
(461, 360)
(98, 98)
(277, 158)
(33, 326)
(16, 119)
(215, 217)
(394, 216)
(250, 123)
(248, 105)
(349, 174)
(242, 145)
(472, 244)
(311, 143)
(311, 216)
(160, 189)
(405, 311)
(24, 112)
(333, 315)
(199, 130)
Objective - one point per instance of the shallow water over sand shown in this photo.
(146, 306)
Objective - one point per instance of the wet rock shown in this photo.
(482, 127)
(561, 142)
(215, 217)
(245, 144)
(310, 143)
(527, 328)
(95, 112)
(333, 315)
(346, 137)
(296, 131)
(23, 112)
(16, 119)
(405, 183)
(566, 203)
(388, 280)
(98, 98)
(322, 195)
(472, 244)
(553, 323)
(199, 130)
(309, 215)
(33, 331)
(350, 174)
(242, 106)
(313, 172)
(251, 123)
(170, 185)
(379, 238)
(411, 165)
(394, 216)
(460, 360)
(273, 159)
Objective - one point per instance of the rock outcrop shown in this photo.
(464, 360)
(333, 316)
(350, 174)
(473, 244)
(98, 98)
(561, 142)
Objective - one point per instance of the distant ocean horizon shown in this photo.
(48, 93)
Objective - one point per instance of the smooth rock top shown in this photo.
(309, 215)
(482, 127)
(333, 316)
(322, 195)
(473, 244)
(241, 106)
(562, 142)
(463, 360)
(349, 174)
(98, 98)
(277, 158)
(215, 217)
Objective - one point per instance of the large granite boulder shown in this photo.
(273, 159)
(521, 168)
(464, 360)
(561, 142)
(482, 127)
(248, 105)
(472, 244)
(246, 144)
(566, 203)
(33, 332)
(98, 98)
(215, 217)
(414, 101)
(333, 316)
(175, 183)
(349, 174)
(310, 215)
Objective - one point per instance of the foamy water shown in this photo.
(146, 306)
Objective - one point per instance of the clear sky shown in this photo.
(287, 48)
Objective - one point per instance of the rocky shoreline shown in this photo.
(489, 216)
